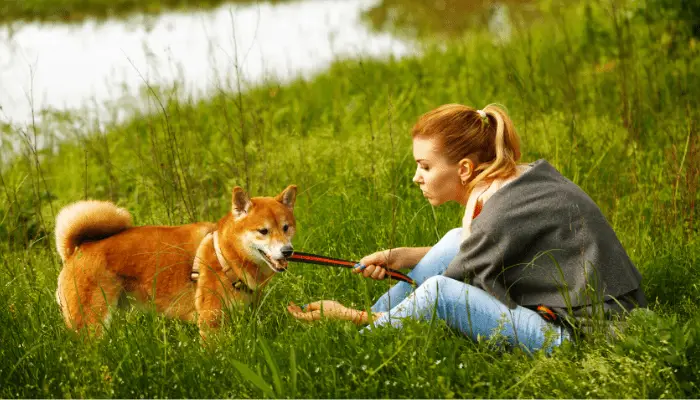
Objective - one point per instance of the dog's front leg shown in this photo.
(209, 301)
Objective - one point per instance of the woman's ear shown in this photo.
(465, 170)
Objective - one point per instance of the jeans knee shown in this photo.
(453, 234)
(450, 241)
(437, 281)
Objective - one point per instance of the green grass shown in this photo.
(594, 93)
(78, 10)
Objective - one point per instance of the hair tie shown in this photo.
(483, 116)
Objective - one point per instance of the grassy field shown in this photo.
(593, 90)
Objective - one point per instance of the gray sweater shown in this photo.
(542, 240)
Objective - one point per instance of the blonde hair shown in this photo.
(462, 131)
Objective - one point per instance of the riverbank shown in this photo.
(107, 69)
(76, 11)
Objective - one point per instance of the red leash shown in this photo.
(309, 258)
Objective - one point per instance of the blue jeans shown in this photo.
(466, 308)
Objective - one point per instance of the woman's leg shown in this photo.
(475, 313)
(435, 262)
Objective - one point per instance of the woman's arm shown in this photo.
(332, 310)
(398, 258)
(375, 265)
(412, 255)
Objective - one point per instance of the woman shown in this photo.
(534, 254)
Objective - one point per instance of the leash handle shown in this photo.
(309, 258)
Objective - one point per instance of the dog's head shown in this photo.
(261, 228)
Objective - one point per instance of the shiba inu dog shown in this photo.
(192, 272)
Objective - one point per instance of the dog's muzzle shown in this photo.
(287, 251)
(278, 265)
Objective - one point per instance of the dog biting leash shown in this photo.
(309, 258)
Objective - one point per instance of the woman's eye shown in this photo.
(263, 231)
(285, 228)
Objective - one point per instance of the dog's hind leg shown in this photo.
(86, 299)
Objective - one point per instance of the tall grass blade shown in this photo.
(253, 378)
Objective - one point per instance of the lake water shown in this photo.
(102, 67)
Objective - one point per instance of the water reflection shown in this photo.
(449, 18)
(99, 65)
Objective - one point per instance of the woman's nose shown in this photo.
(416, 177)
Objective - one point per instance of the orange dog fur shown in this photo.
(105, 257)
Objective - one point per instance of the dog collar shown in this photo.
(238, 285)
(219, 254)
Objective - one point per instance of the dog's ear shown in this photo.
(288, 196)
(240, 203)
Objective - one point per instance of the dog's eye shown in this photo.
(263, 231)
(285, 228)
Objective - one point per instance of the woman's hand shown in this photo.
(326, 309)
(375, 265)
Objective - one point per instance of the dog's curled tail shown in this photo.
(88, 220)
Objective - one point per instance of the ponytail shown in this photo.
(505, 146)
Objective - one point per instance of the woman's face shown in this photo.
(437, 178)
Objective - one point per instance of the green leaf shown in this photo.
(276, 381)
(253, 378)
(293, 371)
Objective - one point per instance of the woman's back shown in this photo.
(542, 240)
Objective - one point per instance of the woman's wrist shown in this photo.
(412, 255)
(358, 317)
(396, 257)
(362, 317)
